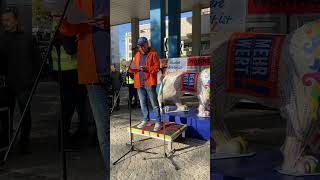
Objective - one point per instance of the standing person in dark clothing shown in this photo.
(22, 58)
(130, 83)
(132, 91)
(116, 81)
(74, 93)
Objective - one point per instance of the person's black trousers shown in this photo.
(115, 96)
(4, 116)
(133, 93)
(21, 97)
(75, 96)
(75, 99)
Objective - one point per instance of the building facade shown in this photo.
(186, 35)
(115, 54)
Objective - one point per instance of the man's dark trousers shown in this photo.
(21, 97)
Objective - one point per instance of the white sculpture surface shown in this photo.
(298, 102)
(170, 90)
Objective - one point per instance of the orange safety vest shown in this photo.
(87, 72)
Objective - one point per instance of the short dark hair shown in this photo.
(12, 10)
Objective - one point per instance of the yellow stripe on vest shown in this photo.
(129, 80)
(67, 62)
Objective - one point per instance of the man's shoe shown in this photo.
(142, 124)
(157, 127)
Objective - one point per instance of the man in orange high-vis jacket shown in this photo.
(93, 59)
(145, 66)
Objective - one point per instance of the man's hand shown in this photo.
(144, 68)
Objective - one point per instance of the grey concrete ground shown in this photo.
(192, 157)
(44, 163)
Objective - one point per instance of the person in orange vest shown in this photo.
(93, 57)
(145, 66)
(74, 94)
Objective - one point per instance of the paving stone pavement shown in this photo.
(85, 163)
(192, 156)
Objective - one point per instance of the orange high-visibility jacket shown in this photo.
(153, 66)
(87, 72)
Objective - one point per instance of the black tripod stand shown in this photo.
(132, 147)
(34, 87)
(166, 155)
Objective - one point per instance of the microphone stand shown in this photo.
(165, 155)
(132, 147)
(34, 87)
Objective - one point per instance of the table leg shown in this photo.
(170, 145)
(184, 134)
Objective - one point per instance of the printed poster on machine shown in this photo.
(177, 65)
(223, 16)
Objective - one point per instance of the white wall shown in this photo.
(115, 55)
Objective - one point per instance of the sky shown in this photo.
(122, 29)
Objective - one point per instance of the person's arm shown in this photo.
(3, 59)
(36, 57)
(156, 65)
(120, 77)
(69, 29)
(133, 70)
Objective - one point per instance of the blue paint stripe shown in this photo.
(157, 22)
(174, 12)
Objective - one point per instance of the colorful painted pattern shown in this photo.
(205, 77)
(171, 132)
(312, 47)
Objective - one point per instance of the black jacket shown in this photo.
(116, 80)
(21, 56)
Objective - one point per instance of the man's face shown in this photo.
(113, 69)
(145, 47)
(9, 22)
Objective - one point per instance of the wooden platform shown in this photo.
(171, 132)
(198, 127)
